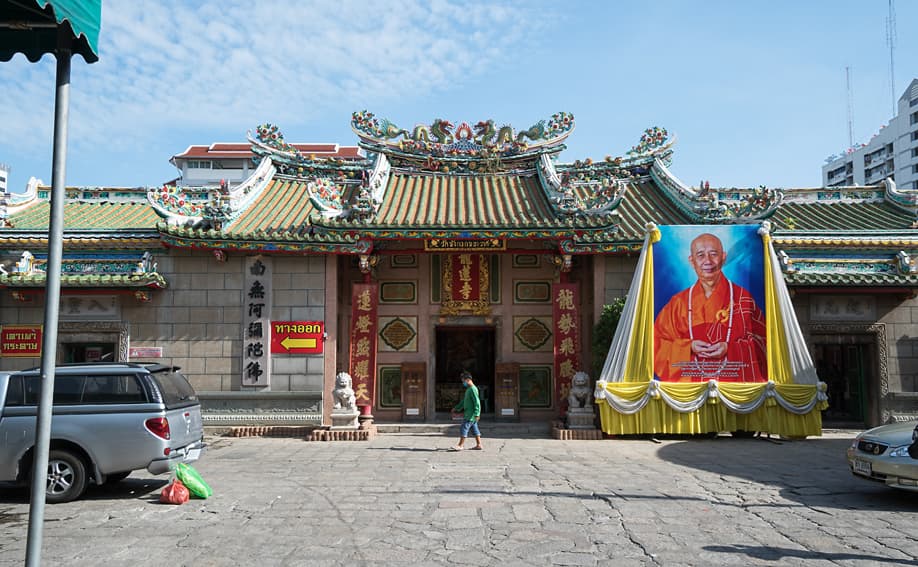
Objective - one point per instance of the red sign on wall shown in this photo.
(297, 337)
(20, 340)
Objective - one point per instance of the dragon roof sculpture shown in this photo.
(444, 139)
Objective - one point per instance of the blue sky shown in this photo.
(753, 90)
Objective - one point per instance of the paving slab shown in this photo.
(405, 500)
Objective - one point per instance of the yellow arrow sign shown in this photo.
(289, 343)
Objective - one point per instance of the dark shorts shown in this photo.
(468, 427)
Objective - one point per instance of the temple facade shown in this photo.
(433, 250)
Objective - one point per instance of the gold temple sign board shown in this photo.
(459, 244)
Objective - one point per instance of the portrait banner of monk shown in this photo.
(709, 296)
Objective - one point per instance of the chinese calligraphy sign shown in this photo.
(256, 322)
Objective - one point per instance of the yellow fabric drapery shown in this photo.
(711, 416)
(633, 402)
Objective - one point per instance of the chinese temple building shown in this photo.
(433, 250)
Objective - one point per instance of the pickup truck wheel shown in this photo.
(66, 476)
(116, 477)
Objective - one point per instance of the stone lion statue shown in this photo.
(581, 395)
(343, 394)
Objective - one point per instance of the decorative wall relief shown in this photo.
(398, 334)
(532, 334)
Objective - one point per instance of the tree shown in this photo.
(603, 333)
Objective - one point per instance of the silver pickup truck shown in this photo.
(109, 419)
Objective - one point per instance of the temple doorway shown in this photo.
(458, 349)
(845, 368)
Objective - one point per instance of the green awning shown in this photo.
(31, 27)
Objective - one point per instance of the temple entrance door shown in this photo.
(844, 369)
(458, 349)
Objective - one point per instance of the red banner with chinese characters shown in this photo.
(364, 303)
(466, 284)
(566, 317)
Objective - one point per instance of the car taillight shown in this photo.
(158, 426)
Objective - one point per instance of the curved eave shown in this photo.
(821, 279)
(559, 226)
(103, 281)
(848, 239)
(82, 240)
(198, 240)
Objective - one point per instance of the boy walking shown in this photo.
(470, 406)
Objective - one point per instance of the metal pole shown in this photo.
(52, 304)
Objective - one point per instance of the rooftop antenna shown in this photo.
(891, 43)
(850, 104)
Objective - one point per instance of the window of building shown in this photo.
(914, 152)
(914, 136)
(914, 118)
(197, 164)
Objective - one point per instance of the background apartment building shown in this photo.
(892, 152)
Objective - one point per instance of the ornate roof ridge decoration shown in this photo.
(442, 139)
(96, 270)
(655, 142)
(203, 205)
(289, 161)
(370, 195)
(583, 188)
(830, 195)
(12, 203)
(898, 263)
(86, 264)
(904, 199)
(723, 205)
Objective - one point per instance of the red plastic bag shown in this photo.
(174, 493)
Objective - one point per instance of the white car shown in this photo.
(882, 454)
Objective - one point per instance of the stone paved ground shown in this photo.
(405, 500)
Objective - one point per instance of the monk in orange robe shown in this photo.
(713, 329)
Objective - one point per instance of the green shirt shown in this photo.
(470, 404)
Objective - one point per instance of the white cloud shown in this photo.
(230, 65)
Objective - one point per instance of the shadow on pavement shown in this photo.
(124, 490)
(779, 553)
(812, 472)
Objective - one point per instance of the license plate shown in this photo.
(193, 455)
(862, 467)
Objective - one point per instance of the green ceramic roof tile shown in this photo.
(283, 206)
(88, 216)
(645, 202)
(839, 216)
(472, 201)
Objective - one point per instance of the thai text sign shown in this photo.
(456, 244)
(20, 340)
(297, 337)
(145, 352)
(708, 289)
(364, 329)
(566, 315)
